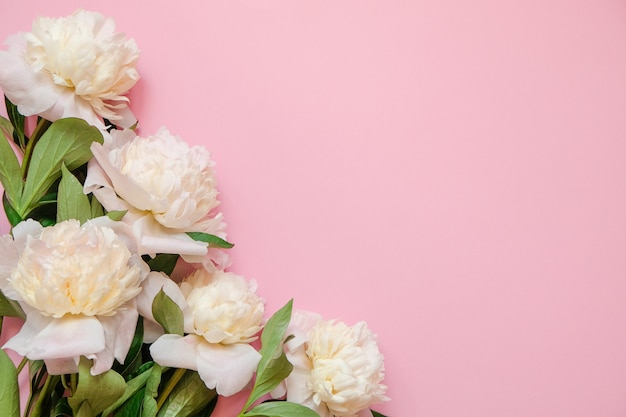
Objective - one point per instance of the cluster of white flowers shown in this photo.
(83, 286)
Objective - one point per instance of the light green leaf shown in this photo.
(187, 398)
(212, 240)
(116, 215)
(10, 170)
(167, 313)
(10, 392)
(85, 411)
(273, 366)
(96, 208)
(66, 141)
(10, 308)
(98, 392)
(280, 409)
(72, 202)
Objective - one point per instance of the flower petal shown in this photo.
(227, 368)
(176, 351)
(119, 330)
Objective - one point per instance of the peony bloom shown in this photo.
(75, 66)
(167, 188)
(338, 369)
(222, 316)
(77, 285)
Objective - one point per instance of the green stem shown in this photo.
(44, 395)
(22, 365)
(178, 374)
(42, 125)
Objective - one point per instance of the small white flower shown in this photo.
(223, 314)
(74, 66)
(167, 188)
(77, 285)
(338, 369)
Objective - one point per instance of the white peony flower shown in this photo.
(338, 369)
(167, 187)
(74, 66)
(223, 314)
(77, 285)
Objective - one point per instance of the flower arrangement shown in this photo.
(117, 259)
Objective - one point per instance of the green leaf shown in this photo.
(62, 409)
(377, 414)
(66, 141)
(12, 215)
(97, 392)
(167, 313)
(163, 262)
(187, 398)
(10, 170)
(96, 208)
(17, 120)
(133, 357)
(72, 202)
(150, 408)
(280, 409)
(212, 240)
(116, 215)
(133, 387)
(10, 308)
(10, 392)
(131, 407)
(85, 410)
(273, 366)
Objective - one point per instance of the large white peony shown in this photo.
(74, 66)
(338, 369)
(77, 285)
(167, 188)
(222, 316)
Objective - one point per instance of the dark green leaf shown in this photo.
(10, 170)
(163, 262)
(280, 409)
(17, 120)
(116, 215)
(377, 414)
(10, 392)
(212, 240)
(133, 387)
(273, 366)
(133, 358)
(167, 313)
(72, 202)
(187, 398)
(131, 407)
(96, 392)
(66, 141)
(12, 215)
(10, 308)
(62, 409)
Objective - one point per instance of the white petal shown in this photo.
(150, 287)
(62, 366)
(176, 351)
(119, 330)
(66, 337)
(227, 368)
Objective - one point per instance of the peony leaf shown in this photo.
(10, 392)
(12, 215)
(280, 409)
(377, 414)
(10, 308)
(97, 392)
(133, 358)
(189, 396)
(72, 202)
(66, 141)
(96, 208)
(149, 405)
(131, 406)
(134, 387)
(17, 121)
(273, 366)
(116, 215)
(10, 170)
(163, 262)
(167, 313)
(212, 240)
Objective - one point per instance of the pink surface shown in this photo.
(451, 172)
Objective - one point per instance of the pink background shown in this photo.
(452, 172)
